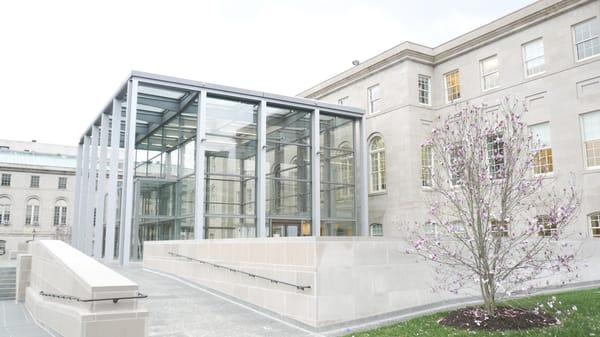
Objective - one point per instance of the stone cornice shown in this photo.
(509, 24)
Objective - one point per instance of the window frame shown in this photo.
(429, 167)
(485, 75)
(451, 72)
(32, 212)
(372, 231)
(419, 90)
(546, 230)
(583, 141)
(381, 179)
(371, 101)
(62, 186)
(575, 43)
(5, 177)
(543, 148)
(34, 182)
(595, 214)
(525, 60)
(5, 211)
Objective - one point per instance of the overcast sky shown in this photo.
(60, 61)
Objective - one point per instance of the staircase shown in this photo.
(8, 279)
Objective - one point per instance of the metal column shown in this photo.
(261, 173)
(128, 174)
(111, 207)
(99, 229)
(315, 172)
(363, 188)
(78, 175)
(83, 202)
(91, 193)
(200, 166)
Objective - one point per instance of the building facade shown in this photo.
(268, 166)
(546, 54)
(36, 193)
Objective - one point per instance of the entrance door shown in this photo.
(285, 228)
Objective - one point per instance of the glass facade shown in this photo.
(257, 157)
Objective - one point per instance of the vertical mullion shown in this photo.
(316, 173)
(364, 202)
(83, 201)
(78, 181)
(128, 174)
(98, 230)
(91, 192)
(199, 223)
(261, 183)
(111, 207)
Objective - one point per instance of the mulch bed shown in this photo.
(504, 319)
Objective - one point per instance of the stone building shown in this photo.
(36, 192)
(546, 54)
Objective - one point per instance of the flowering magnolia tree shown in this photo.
(494, 221)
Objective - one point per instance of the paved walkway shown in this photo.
(16, 322)
(182, 310)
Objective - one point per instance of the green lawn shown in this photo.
(585, 321)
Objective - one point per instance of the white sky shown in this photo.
(61, 61)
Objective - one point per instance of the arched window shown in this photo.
(4, 211)
(60, 213)
(595, 224)
(377, 150)
(32, 215)
(376, 229)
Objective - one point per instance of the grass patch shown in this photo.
(582, 322)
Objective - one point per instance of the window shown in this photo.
(452, 86)
(456, 166)
(426, 166)
(533, 57)
(60, 213)
(35, 181)
(5, 211)
(489, 72)
(376, 229)
(62, 183)
(591, 138)
(424, 89)
(32, 215)
(595, 224)
(374, 99)
(377, 150)
(430, 228)
(546, 228)
(495, 146)
(5, 179)
(587, 38)
(499, 228)
(542, 161)
(2, 247)
(343, 100)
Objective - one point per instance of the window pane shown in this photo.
(452, 86)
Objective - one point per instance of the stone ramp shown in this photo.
(181, 310)
(15, 321)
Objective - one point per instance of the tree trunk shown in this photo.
(488, 292)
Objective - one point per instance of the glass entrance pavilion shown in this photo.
(270, 166)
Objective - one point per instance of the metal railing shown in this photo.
(299, 287)
(77, 299)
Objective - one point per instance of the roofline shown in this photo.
(234, 91)
(531, 14)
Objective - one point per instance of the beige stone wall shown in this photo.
(351, 278)
(58, 268)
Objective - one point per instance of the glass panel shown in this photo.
(230, 227)
(337, 173)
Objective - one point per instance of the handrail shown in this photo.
(299, 287)
(74, 298)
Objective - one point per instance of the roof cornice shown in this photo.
(509, 24)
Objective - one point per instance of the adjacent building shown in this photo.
(204, 161)
(36, 192)
(547, 54)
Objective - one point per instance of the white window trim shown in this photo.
(484, 75)
(582, 138)
(446, 86)
(546, 174)
(431, 168)
(428, 89)
(371, 187)
(370, 102)
(525, 58)
(575, 41)
(589, 219)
